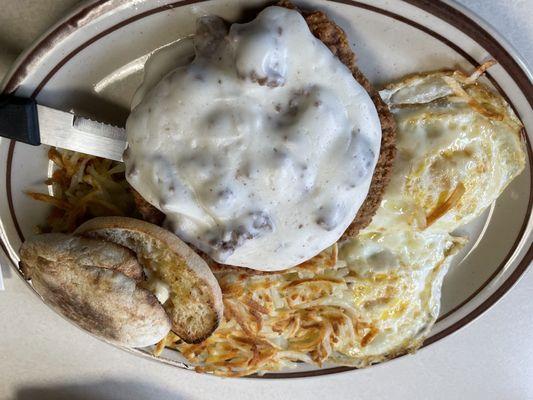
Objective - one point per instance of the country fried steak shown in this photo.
(336, 40)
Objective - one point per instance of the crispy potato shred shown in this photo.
(84, 187)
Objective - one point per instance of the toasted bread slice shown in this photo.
(94, 284)
(195, 299)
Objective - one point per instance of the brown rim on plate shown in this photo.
(441, 10)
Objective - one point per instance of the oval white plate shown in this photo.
(92, 61)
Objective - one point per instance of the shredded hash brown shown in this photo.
(84, 187)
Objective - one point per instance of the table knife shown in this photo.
(25, 121)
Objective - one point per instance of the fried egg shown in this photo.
(395, 285)
(376, 296)
(459, 145)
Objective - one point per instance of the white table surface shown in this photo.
(43, 357)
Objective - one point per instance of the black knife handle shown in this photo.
(18, 119)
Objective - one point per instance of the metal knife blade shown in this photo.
(71, 132)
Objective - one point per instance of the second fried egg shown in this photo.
(459, 145)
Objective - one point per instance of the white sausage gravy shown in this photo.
(261, 150)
